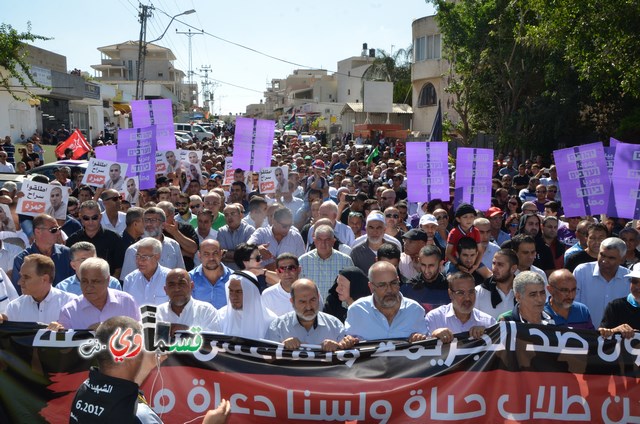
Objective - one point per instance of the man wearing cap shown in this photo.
(414, 240)
(317, 181)
(365, 247)
(623, 315)
(496, 217)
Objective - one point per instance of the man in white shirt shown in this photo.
(182, 310)
(525, 248)
(495, 295)
(171, 254)
(40, 302)
(8, 253)
(7, 291)
(146, 283)
(4, 165)
(204, 230)
(112, 218)
(277, 297)
(490, 248)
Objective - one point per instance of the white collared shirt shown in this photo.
(147, 292)
(195, 314)
(120, 226)
(26, 309)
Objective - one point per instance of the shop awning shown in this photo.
(122, 107)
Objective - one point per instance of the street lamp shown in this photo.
(142, 52)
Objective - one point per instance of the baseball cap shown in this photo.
(318, 164)
(428, 219)
(415, 234)
(214, 176)
(493, 211)
(635, 273)
(464, 209)
(308, 157)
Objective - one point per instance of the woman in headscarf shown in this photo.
(244, 315)
(351, 284)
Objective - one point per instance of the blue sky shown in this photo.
(316, 34)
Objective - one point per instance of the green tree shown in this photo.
(13, 61)
(395, 68)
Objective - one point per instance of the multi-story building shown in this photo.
(429, 76)
(119, 66)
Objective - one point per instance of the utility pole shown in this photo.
(144, 14)
(190, 35)
(206, 94)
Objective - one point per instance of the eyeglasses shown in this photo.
(256, 258)
(90, 218)
(392, 215)
(144, 258)
(393, 284)
(114, 198)
(287, 268)
(462, 293)
(52, 230)
(574, 290)
(514, 225)
(441, 217)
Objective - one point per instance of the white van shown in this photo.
(196, 130)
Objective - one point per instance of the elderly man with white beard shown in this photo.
(306, 324)
(244, 315)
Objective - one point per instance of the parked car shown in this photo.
(49, 168)
(196, 130)
(16, 178)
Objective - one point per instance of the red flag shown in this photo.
(77, 142)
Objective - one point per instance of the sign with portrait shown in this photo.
(42, 198)
(105, 173)
(274, 179)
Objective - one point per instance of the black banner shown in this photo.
(515, 373)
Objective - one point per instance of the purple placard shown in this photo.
(427, 171)
(609, 154)
(107, 153)
(165, 137)
(626, 174)
(613, 142)
(473, 177)
(151, 112)
(253, 143)
(137, 147)
(583, 178)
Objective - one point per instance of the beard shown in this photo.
(309, 316)
(155, 233)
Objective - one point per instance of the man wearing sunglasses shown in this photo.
(280, 237)
(45, 231)
(113, 219)
(109, 245)
(277, 297)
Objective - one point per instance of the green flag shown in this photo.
(374, 154)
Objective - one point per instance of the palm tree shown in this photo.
(395, 68)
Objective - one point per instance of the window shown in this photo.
(418, 49)
(427, 96)
(427, 47)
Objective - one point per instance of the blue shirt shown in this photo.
(61, 256)
(291, 243)
(579, 316)
(366, 322)
(72, 285)
(205, 291)
(325, 327)
(595, 292)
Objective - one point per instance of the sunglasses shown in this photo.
(90, 218)
(392, 215)
(287, 268)
(256, 258)
(52, 230)
(114, 198)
